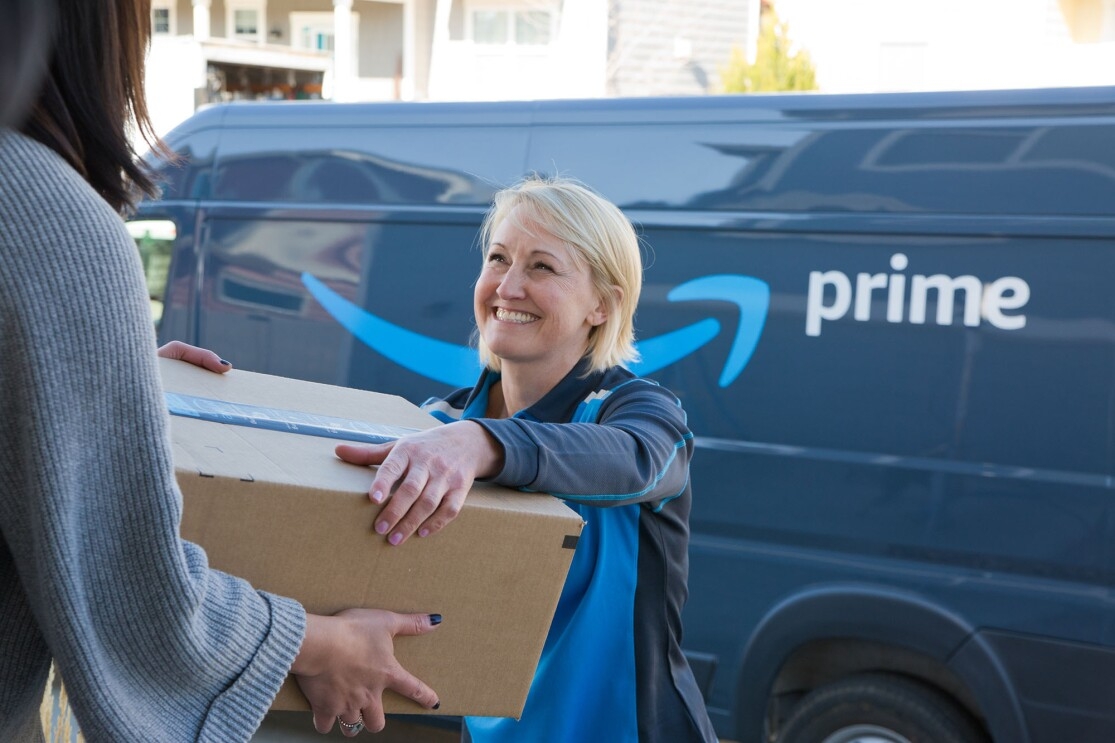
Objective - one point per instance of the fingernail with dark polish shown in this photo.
(435, 619)
(224, 363)
(437, 706)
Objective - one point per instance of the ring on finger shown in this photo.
(352, 728)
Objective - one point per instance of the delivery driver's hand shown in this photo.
(348, 660)
(424, 477)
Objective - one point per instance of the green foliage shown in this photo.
(776, 68)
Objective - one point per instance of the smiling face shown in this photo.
(534, 302)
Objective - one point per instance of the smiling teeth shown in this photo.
(511, 316)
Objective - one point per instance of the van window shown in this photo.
(188, 176)
(687, 160)
(763, 167)
(154, 239)
(368, 166)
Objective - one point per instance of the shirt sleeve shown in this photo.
(151, 643)
(637, 451)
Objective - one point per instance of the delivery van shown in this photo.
(891, 319)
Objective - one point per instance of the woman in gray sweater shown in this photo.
(151, 643)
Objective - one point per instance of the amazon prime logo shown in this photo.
(458, 365)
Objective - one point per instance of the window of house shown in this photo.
(314, 30)
(490, 26)
(162, 20)
(503, 25)
(532, 27)
(317, 38)
(246, 20)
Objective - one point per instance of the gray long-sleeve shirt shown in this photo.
(151, 643)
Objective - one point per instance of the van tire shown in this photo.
(879, 708)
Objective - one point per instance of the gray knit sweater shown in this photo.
(151, 643)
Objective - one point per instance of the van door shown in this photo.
(339, 254)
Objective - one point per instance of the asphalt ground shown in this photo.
(297, 727)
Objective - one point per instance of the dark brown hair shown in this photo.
(24, 44)
(93, 93)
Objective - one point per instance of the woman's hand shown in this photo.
(348, 660)
(202, 357)
(426, 475)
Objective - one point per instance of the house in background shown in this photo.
(910, 45)
(204, 51)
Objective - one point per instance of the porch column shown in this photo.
(436, 85)
(343, 56)
(581, 51)
(201, 19)
(406, 91)
(754, 27)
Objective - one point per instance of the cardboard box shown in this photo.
(278, 508)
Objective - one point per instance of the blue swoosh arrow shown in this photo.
(662, 350)
(750, 295)
(459, 366)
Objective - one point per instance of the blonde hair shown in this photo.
(600, 237)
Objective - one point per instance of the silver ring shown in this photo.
(352, 727)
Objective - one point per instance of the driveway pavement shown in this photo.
(298, 727)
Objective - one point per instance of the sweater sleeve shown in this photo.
(151, 643)
(637, 451)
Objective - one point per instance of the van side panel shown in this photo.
(257, 305)
(808, 472)
(897, 445)
(891, 324)
(182, 185)
(350, 206)
(1055, 710)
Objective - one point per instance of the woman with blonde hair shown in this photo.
(556, 411)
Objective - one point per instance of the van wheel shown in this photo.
(879, 708)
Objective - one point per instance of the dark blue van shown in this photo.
(891, 319)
